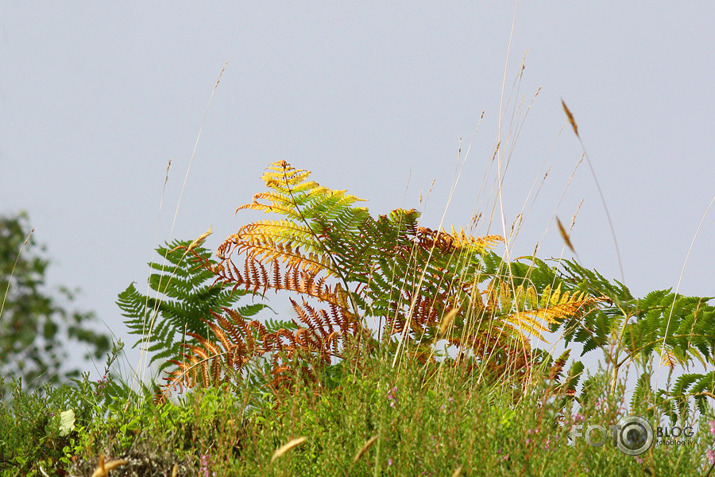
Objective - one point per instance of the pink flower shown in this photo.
(392, 397)
(205, 465)
(712, 427)
(711, 456)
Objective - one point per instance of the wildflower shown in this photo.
(101, 384)
(205, 465)
(639, 460)
(712, 427)
(392, 397)
(389, 461)
(578, 417)
(711, 456)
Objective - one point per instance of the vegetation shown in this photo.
(35, 326)
(412, 350)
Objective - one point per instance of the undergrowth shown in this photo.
(424, 420)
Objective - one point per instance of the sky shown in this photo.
(379, 98)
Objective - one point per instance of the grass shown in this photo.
(429, 419)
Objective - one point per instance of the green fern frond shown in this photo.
(185, 293)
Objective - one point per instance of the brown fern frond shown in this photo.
(556, 371)
(255, 277)
(210, 363)
(312, 318)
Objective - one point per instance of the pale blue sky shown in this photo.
(96, 97)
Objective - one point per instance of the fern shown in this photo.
(390, 268)
(675, 329)
(185, 293)
(422, 286)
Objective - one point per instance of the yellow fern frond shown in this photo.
(526, 324)
(565, 308)
(532, 298)
(506, 298)
(667, 358)
(461, 239)
(492, 295)
(278, 204)
(524, 311)
(294, 192)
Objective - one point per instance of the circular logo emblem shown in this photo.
(635, 435)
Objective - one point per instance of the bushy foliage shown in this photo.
(431, 419)
(36, 328)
